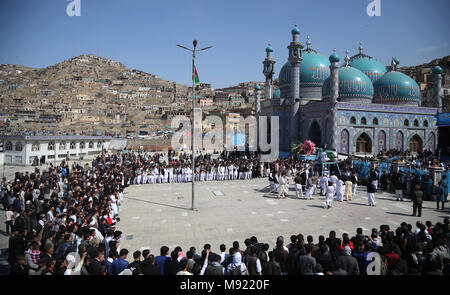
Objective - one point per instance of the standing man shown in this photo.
(444, 181)
(348, 189)
(298, 185)
(331, 190)
(371, 189)
(309, 189)
(9, 214)
(307, 263)
(283, 186)
(323, 184)
(339, 190)
(398, 186)
(417, 198)
(355, 183)
(439, 190)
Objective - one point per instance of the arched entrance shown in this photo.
(315, 134)
(415, 144)
(363, 144)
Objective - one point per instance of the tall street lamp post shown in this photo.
(194, 50)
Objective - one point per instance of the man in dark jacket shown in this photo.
(348, 263)
(20, 267)
(149, 268)
(173, 266)
(272, 267)
(417, 198)
(307, 263)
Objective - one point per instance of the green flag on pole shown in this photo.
(195, 78)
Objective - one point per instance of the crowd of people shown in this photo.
(62, 221)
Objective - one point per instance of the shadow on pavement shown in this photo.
(398, 213)
(155, 203)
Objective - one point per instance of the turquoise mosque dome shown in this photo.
(437, 70)
(269, 48)
(295, 30)
(284, 77)
(368, 65)
(314, 70)
(354, 85)
(334, 57)
(277, 94)
(396, 88)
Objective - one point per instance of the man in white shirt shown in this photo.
(9, 214)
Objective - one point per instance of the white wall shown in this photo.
(27, 155)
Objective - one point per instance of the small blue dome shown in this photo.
(284, 77)
(257, 87)
(369, 66)
(295, 31)
(269, 49)
(437, 70)
(354, 85)
(396, 88)
(334, 57)
(276, 94)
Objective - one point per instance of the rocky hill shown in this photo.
(86, 93)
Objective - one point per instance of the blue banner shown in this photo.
(238, 139)
(363, 168)
(443, 119)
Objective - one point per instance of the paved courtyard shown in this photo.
(156, 215)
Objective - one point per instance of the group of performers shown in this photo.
(331, 186)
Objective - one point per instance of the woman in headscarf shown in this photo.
(236, 264)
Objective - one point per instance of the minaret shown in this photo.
(347, 58)
(257, 99)
(334, 94)
(437, 83)
(334, 76)
(295, 58)
(395, 62)
(268, 71)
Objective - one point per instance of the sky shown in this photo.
(142, 34)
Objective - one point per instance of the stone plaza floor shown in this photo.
(154, 215)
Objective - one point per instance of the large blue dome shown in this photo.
(369, 66)
(314, 70)
(354, 85)
(396, 88)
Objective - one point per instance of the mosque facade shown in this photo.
(358, 107)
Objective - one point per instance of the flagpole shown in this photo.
(193, 124)
(192, 114)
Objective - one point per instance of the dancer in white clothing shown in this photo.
(340, 190)
(331, 190)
